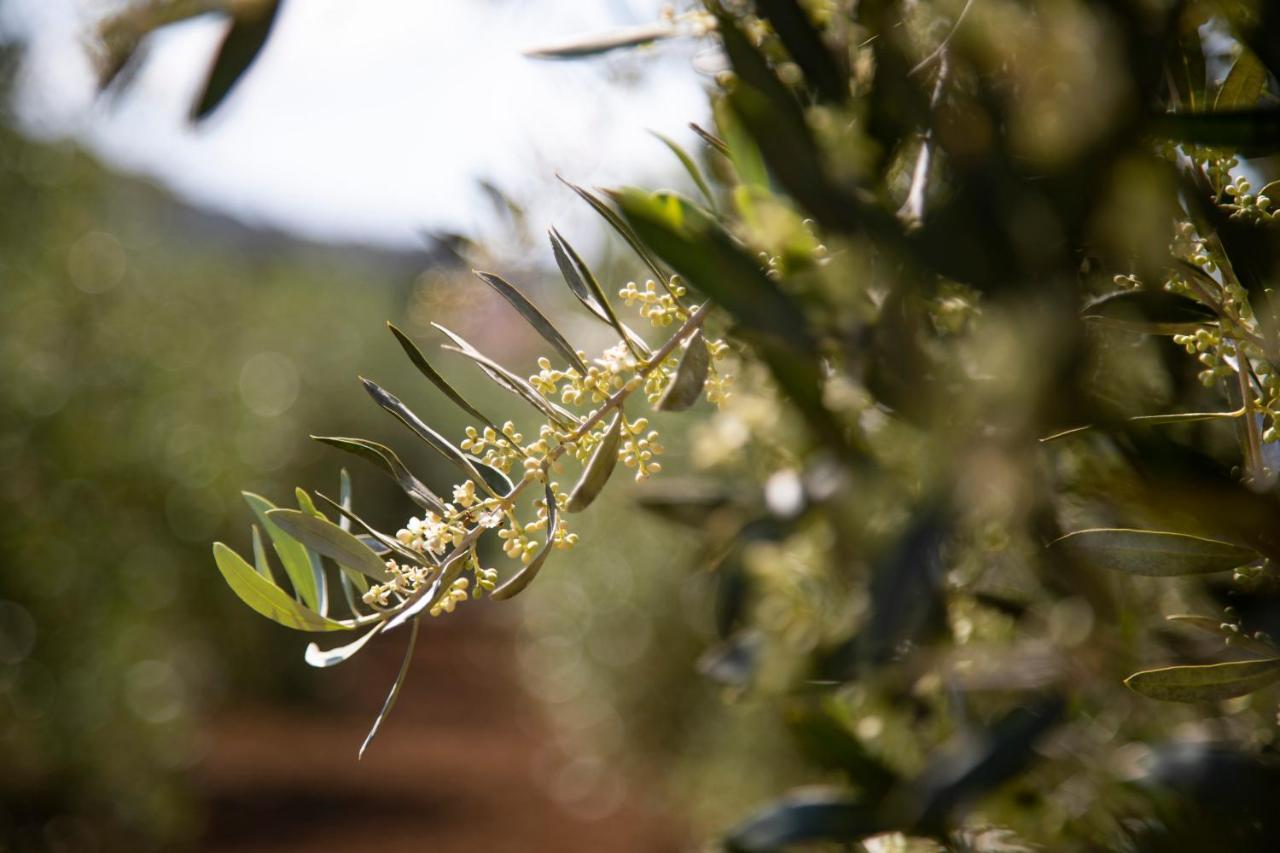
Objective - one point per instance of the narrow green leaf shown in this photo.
(710, 138)
(1153, 553)
(744, 154)
(1243, 84)
(386, 459)
(266, 598)
(598, 468)
(509, 380)
(435, 440)
(592, 45)
(584, 285)
(691, 375)
(292, 553)
(260, 561)
(390, 543)
(534, 317)
(1183, 417)
(321, 659)
(515, 584)
(1150, 311)
(317, 566)
(689, 166)
(615, 222)
(344, 497)
(1218, 629)
(420, 361)
(1205, 683)
(240, 47)
(330, 540)
(395, 690)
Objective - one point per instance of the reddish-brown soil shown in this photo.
(455, 767)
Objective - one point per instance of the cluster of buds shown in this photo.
(1246, 206)
(496, 451)
(405, 581)
(456, 594)
(639, 448)
(660, 309)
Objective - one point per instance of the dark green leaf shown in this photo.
(395, 690)
(691, 375)
(386, 459)
(420, 362)
(250, 27)
(1207, 683)
(328, 539)
(805, 816)
(322, 659)
(1219, 629)
(1150, 311)
(906, 588)
(1153, 553)
(804, 43)
(1186, 66)
(292, 553)
(1244, 83)
(710, 138)
(1257, 131)
(266, 598)
(515, 584)
(584, 285)
(689, 166)
(604, 42)
(598, 468)
(534, 317)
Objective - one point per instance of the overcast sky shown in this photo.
(374, 120)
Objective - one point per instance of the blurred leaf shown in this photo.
(515, 584)
(827, 740)
(420, 361)
(686, 502)
(732, 663)
(320, 658)
(437, 442)
(804, 816)
(691, 375)
(584, 285)
(803, 41)
(1153, 553)
(741, 148)
(598, 468)
(1151, 311)
(292, 553)
(1205, 683)
(395, 691)
(1256, 131)
(907, 587)
(1218, 628)
(689, 166)
(615, 222)
(330, 540)
(593, 45)
(1187, 63)
(509, 380)
(386, 459)
(250, 26)
(266, 598)
(534, 317)
(1244, 83)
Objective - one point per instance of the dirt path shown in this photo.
(454, 769)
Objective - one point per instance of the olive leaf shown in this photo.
(1151, 311)
(1205, 683)
(618, 225)
(1153, 553)
(1243, 84)
(1219, 629)
(317, 566)
(331, 541)
(293, 554)
(420, 361)
(515, 584)
(321, 658)
(691, 375)
(391, 403)
(598, 468)
(534, 317)
(593, 45)
(250, 26)
(1254, 130)
(389, 543)
(386, 459)
(582, 282)
(689, 166)
(802, 40)
(509, 380)
(395, 691)
(260, 561)
(266, 598)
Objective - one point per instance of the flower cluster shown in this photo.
(660, 309)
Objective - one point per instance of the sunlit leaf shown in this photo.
(515, 584)
(395, 690)
(387, 543)
(386, 459)
(598, 468)
(534, 318)
(266, 598)
(691, 375)
(689, 166)
(1244, 83)
(292, 553)
(328, 539)
(317, 566)
(1205, 683)
(593, 45)
(615, 222)
(1153, 553)
(250, 26)
(420, 361)
(323, 658)
(260, 561)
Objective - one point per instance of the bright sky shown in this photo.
(373, 121)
